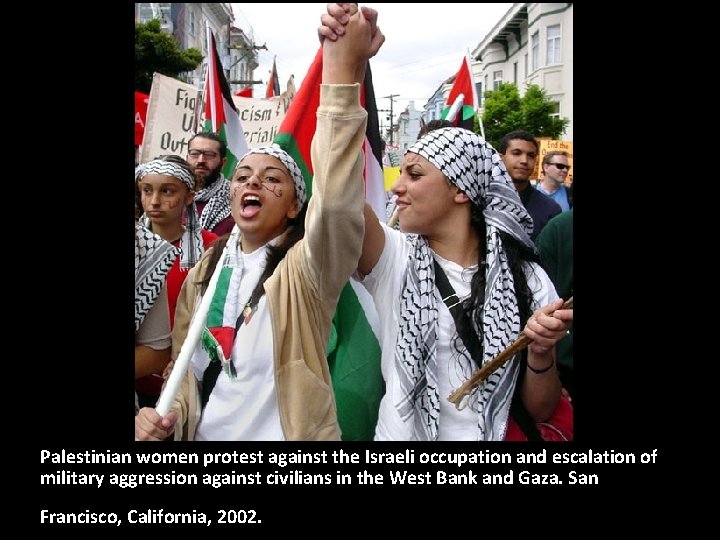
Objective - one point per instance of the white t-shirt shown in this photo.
(385, 284)
(244, 408)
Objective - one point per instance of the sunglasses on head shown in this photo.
(561, 166)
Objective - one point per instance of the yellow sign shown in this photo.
(391, 176)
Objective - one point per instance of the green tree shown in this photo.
(506, 111)
(156, 51)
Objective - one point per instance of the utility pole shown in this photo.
(382, 125)
(391, 97)
(247, 51)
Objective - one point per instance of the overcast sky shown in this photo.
(424, 43)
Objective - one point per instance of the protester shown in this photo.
(519, 151)
(555, 167)
(291, 268)
(207, 154)
(555, 244)
(391, 206)
(167, 192)
(456, 198)
(166, 188)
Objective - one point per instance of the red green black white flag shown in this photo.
(221, 116)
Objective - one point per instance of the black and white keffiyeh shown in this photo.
(475, 167)
(191, 243)
(218, 206)
(153, 259)
(286, 159)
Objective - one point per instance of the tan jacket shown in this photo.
(304, 289)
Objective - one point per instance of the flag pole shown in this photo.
(197, 325)
(210, 78)
(200, 103)
(482, 130)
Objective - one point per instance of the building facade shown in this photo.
(530, 44)
(186, 23)
(408, 126)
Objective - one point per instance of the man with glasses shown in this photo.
(555, 170)
(206, 153)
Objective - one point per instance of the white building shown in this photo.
(186, 23)
(530, 44)
(408, 127)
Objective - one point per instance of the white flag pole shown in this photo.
(197, 325)
(210, 76)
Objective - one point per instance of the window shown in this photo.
(556, 110)
(486, 82)
(515, 73)
(497, 79)
(535, 50)
(526, 65)
(553, 44)
(191, 22)
(147, 12)
(478, 90)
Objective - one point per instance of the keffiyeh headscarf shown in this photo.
(153, 259)
(292, 167)
(191, 244)
(475, 167)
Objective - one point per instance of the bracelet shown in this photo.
(543, 370)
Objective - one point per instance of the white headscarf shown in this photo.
(191, 244)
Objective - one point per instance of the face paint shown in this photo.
(289, 163)
(274, 189)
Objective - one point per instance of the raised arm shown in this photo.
(345, 61)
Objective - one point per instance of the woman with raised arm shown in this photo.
(260, 371)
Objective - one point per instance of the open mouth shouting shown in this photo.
(250, 205)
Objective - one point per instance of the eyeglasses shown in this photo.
(561, 166)
(207, 153)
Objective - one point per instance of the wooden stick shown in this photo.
(394, 218)
(484, 372)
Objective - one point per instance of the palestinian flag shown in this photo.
(464, 84)
(354, 347)
(221, 116)
(273, 87)
(218, 336)
(245, 92)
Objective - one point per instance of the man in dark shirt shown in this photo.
(519, 151)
